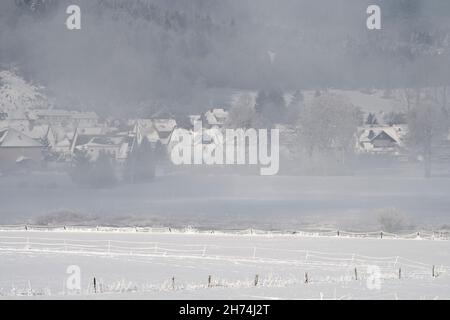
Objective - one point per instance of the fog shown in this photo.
(132, 57)
(133, 53)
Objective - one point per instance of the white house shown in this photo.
(117, 146)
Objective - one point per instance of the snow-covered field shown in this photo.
(162, 265)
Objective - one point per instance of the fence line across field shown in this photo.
(307, 258)
(432, 235)
(166, 247)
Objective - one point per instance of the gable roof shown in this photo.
(163, 113)
(12, 138)
(368, 134)
(383, 135)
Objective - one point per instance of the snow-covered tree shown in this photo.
(140, 165)
(371, 119)
(329, 123)
(427, 123)
(270, 107)
(242, 113)
(392, 118)
(18, 94)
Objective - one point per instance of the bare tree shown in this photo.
(407, 97)
(428, 123)
(329, 123)
(242, 113)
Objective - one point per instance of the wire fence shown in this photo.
(319, 267)
(313, 232)
(314, 260)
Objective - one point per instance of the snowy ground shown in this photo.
(137, 265)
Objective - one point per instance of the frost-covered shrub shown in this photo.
(391, 219)
(64, 217)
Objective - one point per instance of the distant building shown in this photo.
(117, 146)
(155, 130)
(381, 139)
(66, 117)
(18, 150)
(215, 117)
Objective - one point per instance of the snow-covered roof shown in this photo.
(164, 125)
(13, 138)
(65, 143)
(155, 129)
(99, 140)
(66, 113)
(120, 143)
(31, 130)
(216, 116)
(370, 133)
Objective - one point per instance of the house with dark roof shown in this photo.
(381, 139)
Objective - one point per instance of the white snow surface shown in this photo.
(162, 265)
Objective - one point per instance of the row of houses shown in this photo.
(56, 135)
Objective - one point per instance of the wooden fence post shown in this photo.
(256, 280)
(95, 285)
(356, 274)
(209, 281)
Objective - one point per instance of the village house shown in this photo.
(216, 117)
(117, 145)
(66, 117)
(381, 139)
(155, 130)
(17, 150)
(38, 132)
